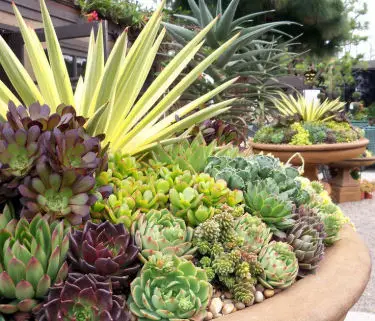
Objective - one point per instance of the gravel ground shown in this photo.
(363, 216)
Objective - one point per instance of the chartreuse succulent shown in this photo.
(169, 288)
(280, 265)
(188, 205)
(253, 231)
(160, 231)
(32, 259)
(225, 257)
(105, 249)
(110, 94)
(84, 297)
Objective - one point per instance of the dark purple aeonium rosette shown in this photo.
(40, 115)
(84, 298)
(106, 249)
(72, 150)
(57, 195)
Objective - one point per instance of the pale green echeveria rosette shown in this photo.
(169, 288)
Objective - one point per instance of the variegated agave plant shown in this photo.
(110, 93)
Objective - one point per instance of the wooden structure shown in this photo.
(72, 29)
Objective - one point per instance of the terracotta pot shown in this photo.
(326, 296)
(313, 155)
(368, 196)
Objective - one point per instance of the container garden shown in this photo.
(313, 155)
(334, 281)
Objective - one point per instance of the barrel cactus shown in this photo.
(32, 259)
(85, 298)
(169, 288)
(253, 231)
(160, 231)
(280, 265)
(105, 249)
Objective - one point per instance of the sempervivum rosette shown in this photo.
(105, 249)
(307, 238)
(32, 258)
(280, 265)
(169, 288)
(84, 298)
(72, 150)
(254, 233)
(160, 231)
(57, 195)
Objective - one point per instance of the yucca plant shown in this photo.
(310, 111)
(110, 93)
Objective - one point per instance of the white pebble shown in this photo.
(209, 316)
(259, 297)
(228, 308)
(240, 306)
(216, 306)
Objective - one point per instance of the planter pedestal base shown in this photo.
(344, 187)
(311, 172)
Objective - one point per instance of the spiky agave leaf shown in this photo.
(109, 94)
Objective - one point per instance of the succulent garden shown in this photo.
(113, 210)
(308, 123)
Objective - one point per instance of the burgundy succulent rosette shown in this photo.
(105, 249)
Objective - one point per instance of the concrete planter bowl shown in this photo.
(313, 155)
(326, 296)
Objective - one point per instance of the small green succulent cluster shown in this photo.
(139, 187)
(169, 288)
(228, 248)
(330, 214)
(240, 172)
(191, 156)
(308, 133)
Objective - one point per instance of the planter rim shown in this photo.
(325, 296)
(302, 148)
(368, 161)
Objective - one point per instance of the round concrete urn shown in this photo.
(313, 155)
(327, 295)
